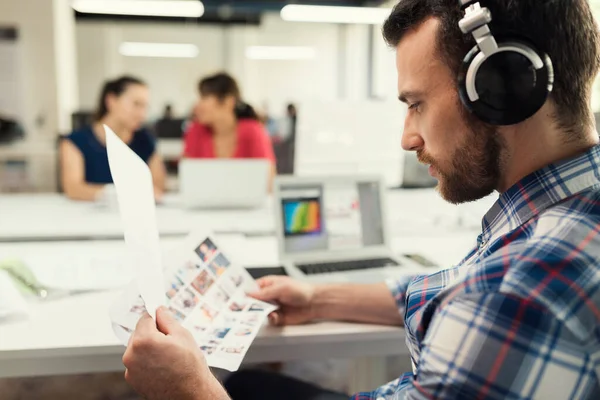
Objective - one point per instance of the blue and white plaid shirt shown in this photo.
(519, 317)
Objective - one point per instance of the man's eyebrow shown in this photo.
(405, 96)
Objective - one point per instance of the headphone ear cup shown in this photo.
(509, 88)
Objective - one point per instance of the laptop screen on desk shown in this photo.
(331, 216)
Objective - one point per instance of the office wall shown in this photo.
(48, 75)
(47, 83)
(33, 19)
(351, 137)
(172, 80)
(277, 82)
(65, 61)
(340, 69)
(350, 120)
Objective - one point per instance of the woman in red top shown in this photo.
(225, 126)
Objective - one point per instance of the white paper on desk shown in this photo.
(135, 196)
(206, 291)
(12, 303)
(79, 272)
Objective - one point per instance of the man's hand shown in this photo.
(163, 362)
(301, 302)
(294, 298)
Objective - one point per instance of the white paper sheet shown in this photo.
(12, 303)
(79, 272)
(206, 291)
(135, 195)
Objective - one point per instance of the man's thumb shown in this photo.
(166, 322)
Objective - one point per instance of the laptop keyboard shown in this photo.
(341, 266)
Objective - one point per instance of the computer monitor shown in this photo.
(224, 183)
(169, 128)
(329, 215)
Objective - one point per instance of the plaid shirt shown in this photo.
(519, 317)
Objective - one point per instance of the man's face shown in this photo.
(463, 153)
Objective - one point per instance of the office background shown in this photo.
(56, 60)
(340, 76)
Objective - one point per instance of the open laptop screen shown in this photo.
(331, 216)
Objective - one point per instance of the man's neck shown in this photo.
(537, 143)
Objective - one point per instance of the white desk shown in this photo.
(40, 158)
(74, 334)
(53, 217)
(170, 149)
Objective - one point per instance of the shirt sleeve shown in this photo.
(493, 346)
(399, 288)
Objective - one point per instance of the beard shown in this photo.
(475, 166)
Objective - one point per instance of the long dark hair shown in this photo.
(115, 87)
(222, 85)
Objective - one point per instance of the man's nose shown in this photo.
(411, 139)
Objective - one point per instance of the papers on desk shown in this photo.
(201, 285)
(79, 273)
(12, 303)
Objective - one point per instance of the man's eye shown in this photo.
(414, 106)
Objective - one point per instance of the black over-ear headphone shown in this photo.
(501, 82)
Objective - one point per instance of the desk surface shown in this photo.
(53, 217)
(74, 334)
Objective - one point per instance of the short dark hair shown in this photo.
(115, 87)
(222, 85)
(563, 29)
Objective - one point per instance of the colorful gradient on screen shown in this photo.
(302, 217)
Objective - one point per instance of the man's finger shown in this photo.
(275, 318)
(266, 281)
(269, 293)
(166, 322)
(146, 325)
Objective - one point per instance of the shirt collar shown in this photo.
(540, 190)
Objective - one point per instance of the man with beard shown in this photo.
(518, 318)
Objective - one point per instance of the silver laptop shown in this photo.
(224, 183)
(334, 229)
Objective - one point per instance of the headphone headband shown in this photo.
(476, 22)
(466, 3)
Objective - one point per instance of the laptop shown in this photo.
(223, 184)
(334, 229)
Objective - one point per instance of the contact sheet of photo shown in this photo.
(206, 292)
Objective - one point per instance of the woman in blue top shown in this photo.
(84, 160)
